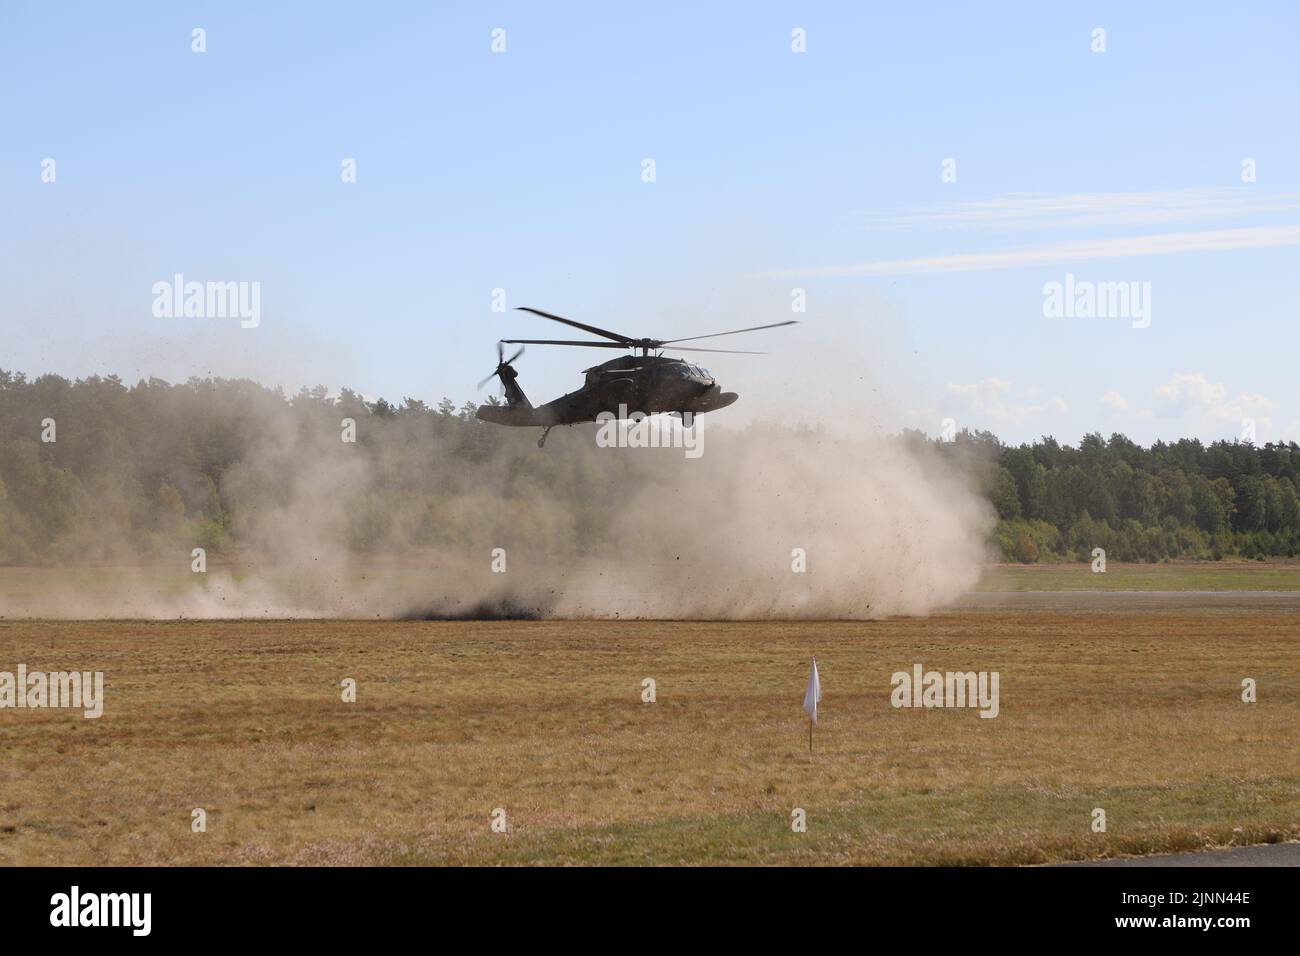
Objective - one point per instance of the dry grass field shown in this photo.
(1135, 710)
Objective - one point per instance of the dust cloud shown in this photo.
(774, 522)
(769, 522)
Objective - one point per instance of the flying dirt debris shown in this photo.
(643, 382)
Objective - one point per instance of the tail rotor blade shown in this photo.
(502, 362)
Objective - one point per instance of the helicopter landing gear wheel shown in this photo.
(541, 442)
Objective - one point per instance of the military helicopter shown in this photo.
(638, 382)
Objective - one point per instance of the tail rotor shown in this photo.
(504, 369)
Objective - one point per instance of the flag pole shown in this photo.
(810, 698)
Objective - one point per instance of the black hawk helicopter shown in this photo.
(637, 382)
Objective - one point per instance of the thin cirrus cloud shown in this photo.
(1026, 211)
(1057, 253)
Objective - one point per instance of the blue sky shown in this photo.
(774, 170)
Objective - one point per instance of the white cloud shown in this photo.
(1185, 392)
(1114, 402)
(1192, 395)
(993, 400)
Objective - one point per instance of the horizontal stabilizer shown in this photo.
(505, 415)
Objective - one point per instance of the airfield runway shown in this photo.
(1101, 602)
(1276, 854)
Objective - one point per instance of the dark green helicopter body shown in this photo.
(644, 383)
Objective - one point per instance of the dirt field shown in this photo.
(1136, 710)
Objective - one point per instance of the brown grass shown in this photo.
(1137, 712)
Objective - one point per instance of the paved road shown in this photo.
(1273, 854)
(1165, 602)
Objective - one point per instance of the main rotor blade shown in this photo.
(604, 333)
(696, 348)
(486, 380)
(714, 335)
(590, 345)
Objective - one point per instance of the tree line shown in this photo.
(95, 471)
(133, 472)
(1181, 499)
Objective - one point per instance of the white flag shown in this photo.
(813, 695)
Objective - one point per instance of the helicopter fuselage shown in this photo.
(646, 384)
